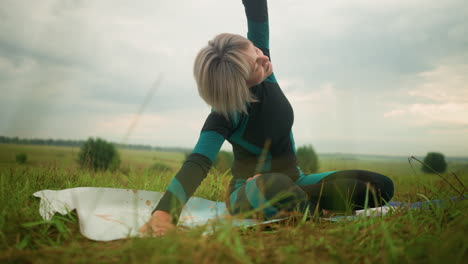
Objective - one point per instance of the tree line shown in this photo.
(79, 143)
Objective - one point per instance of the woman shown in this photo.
(235, 76)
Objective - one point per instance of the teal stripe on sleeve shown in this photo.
(176, 188)
(293, 143)
(209, 144)
(258, 34)
(271, 78)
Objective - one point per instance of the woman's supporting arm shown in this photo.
(192, 173)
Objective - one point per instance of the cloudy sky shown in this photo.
(363, 76)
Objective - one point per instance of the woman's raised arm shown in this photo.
(257, 21)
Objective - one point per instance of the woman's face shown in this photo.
(261, 66)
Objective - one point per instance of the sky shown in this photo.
(386, 77)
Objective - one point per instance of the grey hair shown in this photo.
(221, 70)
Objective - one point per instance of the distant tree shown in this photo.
(307, 159)
(98, 154)
(223, 161)
(436, 161)
(21, 158)
(66, 142)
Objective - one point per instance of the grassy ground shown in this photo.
(437, 235)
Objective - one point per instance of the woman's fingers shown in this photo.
(143, 228)
(158, 225)
(161, 228)
(159, 232)
(153, 230)
(253, 177)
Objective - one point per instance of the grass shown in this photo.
(437, 235)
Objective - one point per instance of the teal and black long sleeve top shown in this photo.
(268, 120)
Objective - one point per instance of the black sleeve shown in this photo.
(196, 167)
(184, 184)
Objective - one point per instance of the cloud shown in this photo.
(395, 112)
(446, 91)
(445, 112)
(446, 83)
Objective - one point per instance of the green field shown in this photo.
(435, 235)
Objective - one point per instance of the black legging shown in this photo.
(339, 191)
(349, 189)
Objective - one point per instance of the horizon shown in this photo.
(181, 149)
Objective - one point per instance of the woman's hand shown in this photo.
(159, 224)
(253, 177)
